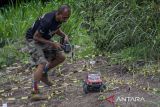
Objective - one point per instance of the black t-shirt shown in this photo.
(46, 25)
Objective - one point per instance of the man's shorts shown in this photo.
(41, 53)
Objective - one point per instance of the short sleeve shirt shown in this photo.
(46, 25)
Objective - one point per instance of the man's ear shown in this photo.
(35, 36)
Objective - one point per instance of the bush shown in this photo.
(15, 20)
(117, 25)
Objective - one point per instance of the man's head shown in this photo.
(63, 13)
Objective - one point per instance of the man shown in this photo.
(39, 42)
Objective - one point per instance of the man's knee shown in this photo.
(40, 67)
(60, 57)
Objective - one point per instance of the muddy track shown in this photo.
(67, 89)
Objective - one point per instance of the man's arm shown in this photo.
(60, 33)
(38, 37)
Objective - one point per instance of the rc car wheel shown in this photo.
(102, 88)
(85, 88)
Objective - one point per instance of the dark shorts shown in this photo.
(41, 53)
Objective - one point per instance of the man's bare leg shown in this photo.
(60, 57)
(37, 75)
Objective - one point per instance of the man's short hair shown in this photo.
(62, 8)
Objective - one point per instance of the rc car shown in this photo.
(93, 82)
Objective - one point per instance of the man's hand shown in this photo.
(55, 45)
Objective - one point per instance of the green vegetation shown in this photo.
(15, 20)
(129, 29)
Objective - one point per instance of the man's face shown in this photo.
(64, 16)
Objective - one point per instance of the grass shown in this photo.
(121, 29)
(15, 20)
(126, 28)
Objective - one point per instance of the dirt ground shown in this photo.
(67, 91)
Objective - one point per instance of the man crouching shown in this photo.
(46, 53)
